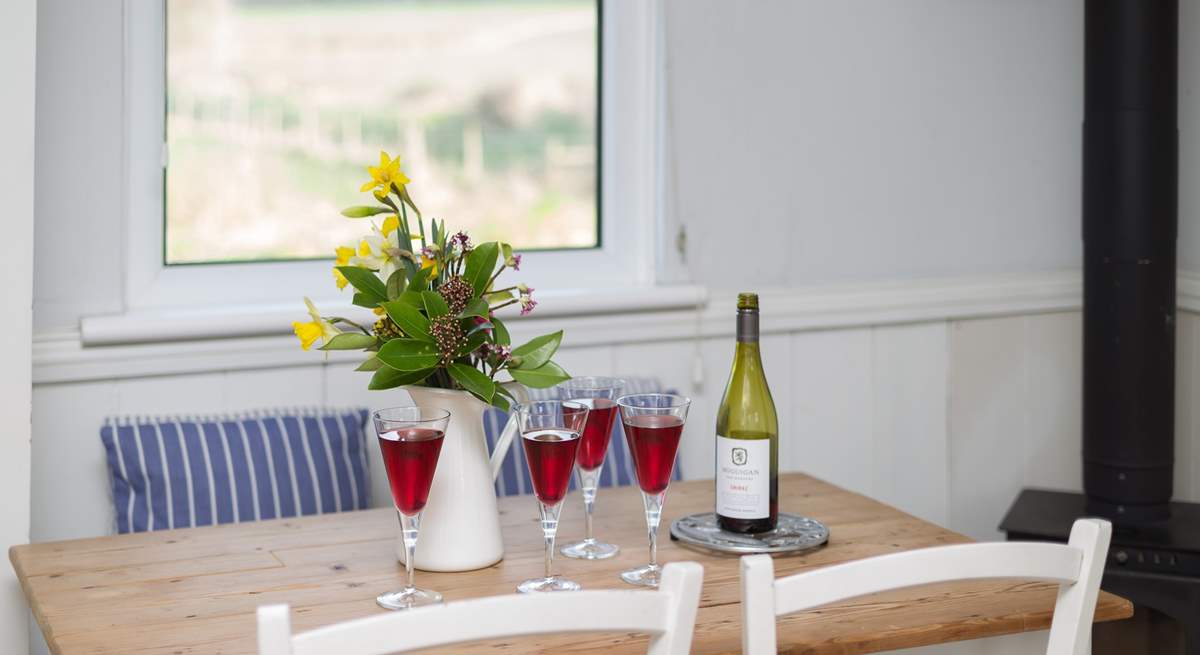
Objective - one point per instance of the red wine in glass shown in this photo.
(410, 456)
(593, 443)
(653, 442)
(551, 457)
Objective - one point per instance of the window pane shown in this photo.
(275, 107)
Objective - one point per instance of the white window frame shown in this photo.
(630, 197)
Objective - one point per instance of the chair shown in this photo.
(667, 614)
(1076, 566)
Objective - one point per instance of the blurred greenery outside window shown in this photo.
(275, 107)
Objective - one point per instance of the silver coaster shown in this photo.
(792, 534)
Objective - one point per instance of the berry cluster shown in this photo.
(449, 337)
(457, 292)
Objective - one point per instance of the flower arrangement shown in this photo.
(436, 297)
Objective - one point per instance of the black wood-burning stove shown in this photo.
(1130, 184)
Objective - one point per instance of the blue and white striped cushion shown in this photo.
(178, 472)
(618, 467)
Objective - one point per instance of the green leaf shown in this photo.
(507, 252)
(500, 335)
(364, 300)
(435, 305)
(410, 320)
(481, 263)
(366, 282)
(545, 376)
(473, 380)
(390, 378)
(500, 402)
(499, 297)
(372, 364)
(349, 341)
(396, 284)
(479, 327)
(477, 307)
(538, 351)
(412, 299)
(474, 341)
(363, 211)
(408, 354)
(419, 281)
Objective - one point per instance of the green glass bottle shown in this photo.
(747, 436)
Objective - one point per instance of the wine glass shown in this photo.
(410, 439)
(653, 425)
(599, 394)
(550, 432)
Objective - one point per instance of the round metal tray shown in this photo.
(792, 534)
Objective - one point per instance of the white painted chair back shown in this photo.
(668, 615)
(1076, 566)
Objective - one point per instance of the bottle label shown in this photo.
(743, 478)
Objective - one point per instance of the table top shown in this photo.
(195, 590)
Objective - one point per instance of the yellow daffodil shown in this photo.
(344, 253)
(430, 263)
(390, 224)
(385, 175)
(317, 328)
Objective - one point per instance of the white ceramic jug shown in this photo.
(460, 526)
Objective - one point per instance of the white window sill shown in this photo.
(169, 325)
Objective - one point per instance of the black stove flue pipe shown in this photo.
(1130, 183)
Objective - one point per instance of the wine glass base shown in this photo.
(590, 549)
(645, 576)
(408, 599)
(552, 583)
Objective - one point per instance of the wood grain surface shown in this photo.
(195, 590)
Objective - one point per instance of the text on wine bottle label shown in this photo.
(743, 478)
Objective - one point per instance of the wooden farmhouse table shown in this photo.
(195, 590)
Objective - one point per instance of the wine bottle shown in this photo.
(747, 435)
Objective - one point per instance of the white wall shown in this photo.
(18, 19)
(78, 249)
(810, 141)
(821, 140)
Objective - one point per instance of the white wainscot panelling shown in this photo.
(1018, 644)
(170, 394)
(908, 381)
(1054, 401)
(346, 387)
(1187, 446)
(831, 407)
(673, 363)
(69, 494)
(272, 388)
(588, 360)
(67, 418)
(987, 383)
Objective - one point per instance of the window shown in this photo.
(270, 247)
(274, 108)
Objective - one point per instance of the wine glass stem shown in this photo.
(588, 487)
(588, 503)
(653, 517)
(549, 530)
(409, 525)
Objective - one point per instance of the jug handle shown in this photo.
(510, 428)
